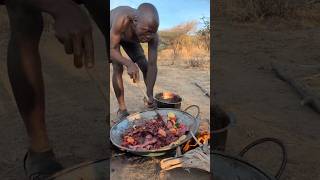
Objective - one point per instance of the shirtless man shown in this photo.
(73, 29)
(128, 28)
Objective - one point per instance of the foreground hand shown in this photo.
(73, 29)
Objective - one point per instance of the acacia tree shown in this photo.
(175, 37)
(204, 33)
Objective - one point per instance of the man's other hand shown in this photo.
(73, 29)
(133, 72)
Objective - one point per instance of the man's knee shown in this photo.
(142, 63)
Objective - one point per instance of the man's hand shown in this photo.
(150, 102)
(133, 72)
(73, 29)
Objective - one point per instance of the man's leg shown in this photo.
(117, 83)
(24, 68)
(143, 65)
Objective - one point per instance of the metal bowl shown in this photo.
(116, 132)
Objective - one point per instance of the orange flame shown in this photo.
(167, 95)
(201, 137)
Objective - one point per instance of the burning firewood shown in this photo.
(196, 158)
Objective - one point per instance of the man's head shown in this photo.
(146, 22)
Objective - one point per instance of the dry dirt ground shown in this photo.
(264, 105)
(75, 114)
(173, 79)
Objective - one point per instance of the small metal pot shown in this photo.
(174, 103)
(222, 121)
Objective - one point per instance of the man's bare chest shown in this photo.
(128, 36)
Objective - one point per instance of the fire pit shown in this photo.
(168, 100)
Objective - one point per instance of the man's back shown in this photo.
(119, 13)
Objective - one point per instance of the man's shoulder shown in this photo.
(120, 16)
(122, 9)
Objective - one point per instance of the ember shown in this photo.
(154, 134)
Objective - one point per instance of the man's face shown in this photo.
(144, 31)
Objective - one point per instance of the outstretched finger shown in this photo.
(68, 46)
(137, 77)
(134, 78)
(89, 50)
(77, 51)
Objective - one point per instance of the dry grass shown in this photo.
(194, 57)
(249, 10)
(304, 12)
(189, 56)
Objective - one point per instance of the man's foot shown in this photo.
(122, 114)
(149, 105)
(40, 165)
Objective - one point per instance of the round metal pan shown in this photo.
(182, 173)
(234, 168)
(192, 122)
(237, 168)
(89, 170)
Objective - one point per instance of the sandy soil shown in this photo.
(170, 78)
(75, 110)
(264, 105)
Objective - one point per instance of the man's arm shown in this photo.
(72, 27)
(115, 55)
(152, 65)
(98, 11)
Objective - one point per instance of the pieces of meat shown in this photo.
(169, 125)
(173, 130)
(154, 134)
(146, 143)
(161, 132)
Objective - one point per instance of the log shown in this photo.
(309, 97)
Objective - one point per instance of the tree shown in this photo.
(204, 33)
(175, 37)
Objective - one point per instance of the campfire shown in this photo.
(168, 100)
(202, 137)
(167, 95)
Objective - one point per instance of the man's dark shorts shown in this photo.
(133, 50)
